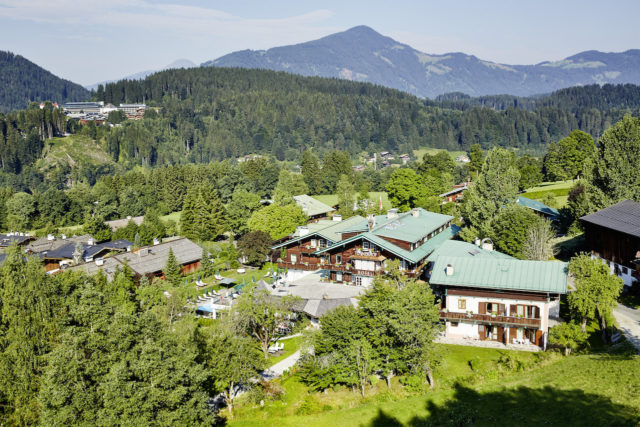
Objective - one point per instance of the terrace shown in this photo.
(491, 319)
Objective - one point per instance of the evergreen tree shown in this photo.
(311, 172)
(496, 187)
(203, 216)
(346, 196)
(172, 271)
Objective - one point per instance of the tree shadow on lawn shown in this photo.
(521, 407)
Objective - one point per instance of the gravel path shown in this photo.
(278, 369)
(629, 323)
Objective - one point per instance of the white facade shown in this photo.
(619, 270)
(471, 305)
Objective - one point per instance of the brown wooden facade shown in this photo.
(612, 245)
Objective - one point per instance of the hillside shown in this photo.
(362, 54)
(212, 113)
(77, 153)
(178, 63)
(22, 81)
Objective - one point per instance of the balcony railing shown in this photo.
(298, 266)
(491, 319)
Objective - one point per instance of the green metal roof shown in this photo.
(326, 229)
(537, 206)
(311, 206)
(405, 226)
(463, 249)
(414, 256)
(504, 274)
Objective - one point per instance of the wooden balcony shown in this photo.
(298, 266)
(491, 319)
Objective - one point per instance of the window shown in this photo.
(365, 245)
(520, 310)
(462, 304)
(338, 259)
(294, 258)
(625, 270)
(314, 243)
(321, 243)
(454, 324)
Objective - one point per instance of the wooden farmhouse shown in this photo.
(487, 295)
(355, 250)
(613, 235)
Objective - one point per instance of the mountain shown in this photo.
(362, 54)
(22, 81)
(178, 63)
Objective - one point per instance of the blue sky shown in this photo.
(89, 41)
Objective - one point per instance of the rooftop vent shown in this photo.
(415, 213)
(156, 241)
(486, 244)
(51, 237)
(371, 222)
(392, 213)
(449, 270)
(302, 230)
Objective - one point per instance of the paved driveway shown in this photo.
(629, 322)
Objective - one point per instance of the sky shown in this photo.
(90, 41)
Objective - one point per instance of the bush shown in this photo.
(413, 382)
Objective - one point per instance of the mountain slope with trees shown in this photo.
(362, 54)
(22, 81)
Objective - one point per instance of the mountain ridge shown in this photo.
(23, 81)
(362, 54)
(178, 63)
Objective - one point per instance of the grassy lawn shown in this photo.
(291, 345)
(559, 189)
(422, 151)
(332, 199)
(173, 216)
(578, 390)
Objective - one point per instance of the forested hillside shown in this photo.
(22, 81)
(215, 113)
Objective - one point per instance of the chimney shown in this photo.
(156, 241)
(128, 217)
(51, 237)
(90, 242)
(392, 213)
(477, 241)
(337, 217)
(371, 222)
(487, 244)
(64, 237)
(302, 230)
(449, 270)
(415, 212)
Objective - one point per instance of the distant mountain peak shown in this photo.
(361, 53)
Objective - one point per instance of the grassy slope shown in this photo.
(421, 152)
(75, 151)
(560, 189)
(580, 390)
(332, 199)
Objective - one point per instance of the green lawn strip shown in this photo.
(291, 345)
(332, 199)
(173, 216)
(553, 185)
(576, 390)
(422, 151)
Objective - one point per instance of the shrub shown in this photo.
(413, 382)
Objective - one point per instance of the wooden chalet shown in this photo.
(613, 235)
(313, 208)
(296, 254)
(149, 260)
(71, 253)
(487, 295)
(363, 249)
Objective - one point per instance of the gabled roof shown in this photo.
(405, 226)
(152, 259)
(623, 217)
(7, 239)
(326, 229)
(501, 274)
(88, 251)
(414, 256)
(459, 248)
(311, 206)
(537, 206)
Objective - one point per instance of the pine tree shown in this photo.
(172, 270)
(206, 265)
